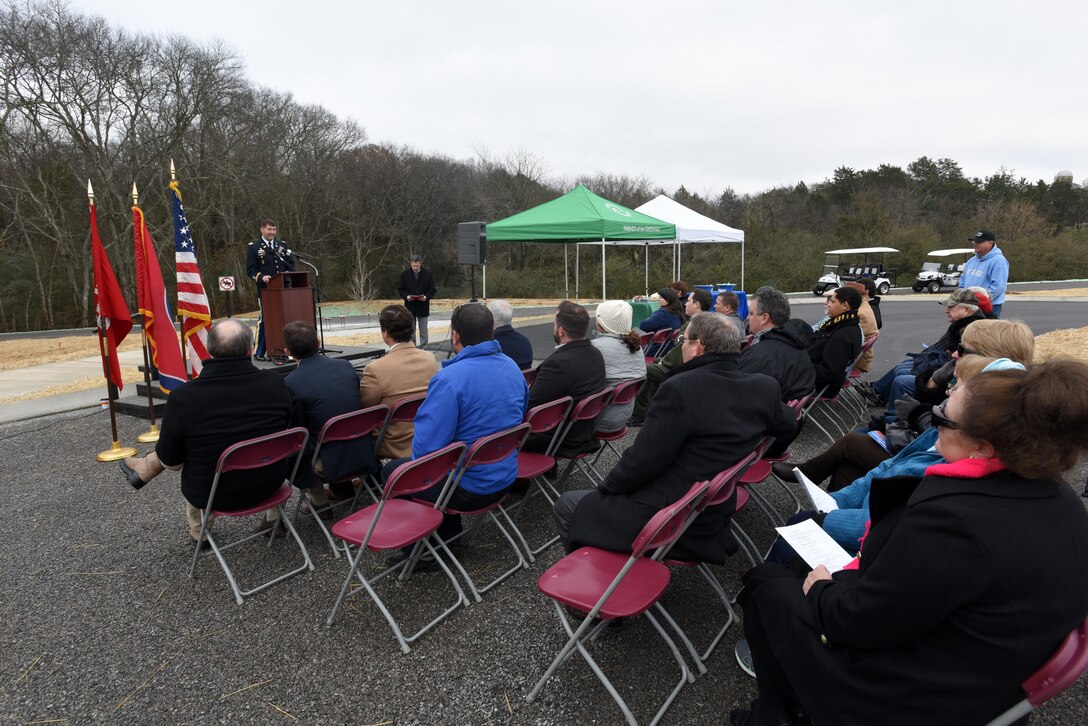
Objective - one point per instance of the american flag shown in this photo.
(193, 306)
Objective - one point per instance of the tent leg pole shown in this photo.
(577, 272)
(742, 265)
(604, 285)
(566, 274)
(646, 268)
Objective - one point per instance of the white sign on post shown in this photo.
(226, 284)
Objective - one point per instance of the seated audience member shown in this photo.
(856, 453)
(230, 402)
(322, 388)
(622, 353)
(968, 579)
(837, 340)
(699, 301)
(669, 314)
(575, 369)
(984, 304)
(961, 310)
(869, 328)
(403, 372)
(513, 343)
(993, 337)
(779, 345)
(681, 288)
(873, 299)
(728, 303)
(696, 427)
(459, 407)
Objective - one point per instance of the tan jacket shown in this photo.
(403, 372)
(868, 330)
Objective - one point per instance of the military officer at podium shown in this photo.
(266, 258)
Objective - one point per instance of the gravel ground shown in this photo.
(102, 625)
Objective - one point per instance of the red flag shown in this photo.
(110, 310)
(155, 309)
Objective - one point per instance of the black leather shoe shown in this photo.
(131, 476)
(784, 471)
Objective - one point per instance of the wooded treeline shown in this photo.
(83, 100)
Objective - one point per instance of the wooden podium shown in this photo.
(287, 298)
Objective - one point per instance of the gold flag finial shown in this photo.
(90, 191)
(173, 176)
(135, 196)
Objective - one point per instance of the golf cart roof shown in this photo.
(861, 250)
(949, 253)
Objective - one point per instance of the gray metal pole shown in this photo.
(604, 284)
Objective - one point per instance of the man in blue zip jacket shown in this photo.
(988, 268)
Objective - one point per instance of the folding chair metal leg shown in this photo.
(403, 640)
(239, 594)
(477, 591)
(716, 585)
(537, 485)
(746, 544)
(683, 639)
(765, 505)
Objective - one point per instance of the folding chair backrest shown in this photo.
(665, 526)
(424, 472)
(627, 391)
(405, 409)
(1062, 669)
(530, 376)
(547, 416)
(797, 405)
(353, 425)
(591, 406)
(645, 339)
(263, 450)
(725, 483)
(497, 446)
(868, 343)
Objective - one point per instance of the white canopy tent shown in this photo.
(691, 227)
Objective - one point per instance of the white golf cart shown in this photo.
(842, 266)
(932, 277)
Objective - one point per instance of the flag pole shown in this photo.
(184, 347)
(152, 434)
(116, 451)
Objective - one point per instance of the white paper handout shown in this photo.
(814, 545)
(820, 500)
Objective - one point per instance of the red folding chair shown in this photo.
(487, 450)
(609, 585)
(394, 523)
(626, 391)
(1060, 671)
(254, 454)
(722, 489)
(346, 427)
(644, 340)
(530, 376)
(532, 466)
(657, 343)
(403, 411)
(589, 408)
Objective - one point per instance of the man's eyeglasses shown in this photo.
(964, 350)
(939, 419)
(681, 339)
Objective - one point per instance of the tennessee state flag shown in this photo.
(110, 309)
(155, 309)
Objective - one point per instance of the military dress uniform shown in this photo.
(266, 258)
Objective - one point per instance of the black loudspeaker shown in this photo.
(471, 243)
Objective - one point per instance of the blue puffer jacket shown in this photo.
(478, 392)
(846, 524)
(990, 272)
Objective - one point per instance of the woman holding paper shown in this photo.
(969, 578)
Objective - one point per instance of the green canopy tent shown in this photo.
(579, 216)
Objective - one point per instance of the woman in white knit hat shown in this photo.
(623, 359)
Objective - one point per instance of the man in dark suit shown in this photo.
(697, 426)
(417, 288)
(514, 345)
(231, 401)
(779, 345)
(575, 369)
(322, 388)
(265, 258)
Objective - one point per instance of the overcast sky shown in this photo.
(705, 94)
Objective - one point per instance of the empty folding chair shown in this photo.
(609, 585)
(487, 450)
(532, 466)
(722, 489)
(589, 408)
(626, 392)
(1060, 671)
(395, 523)
(246, 455)
(346, 427)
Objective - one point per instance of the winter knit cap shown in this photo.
(614, 316)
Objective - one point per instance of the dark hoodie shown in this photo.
(781, 353)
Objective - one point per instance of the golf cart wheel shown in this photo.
(818, 290)
(884, 287)
(934, 286)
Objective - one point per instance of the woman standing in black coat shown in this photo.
(969, 577)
